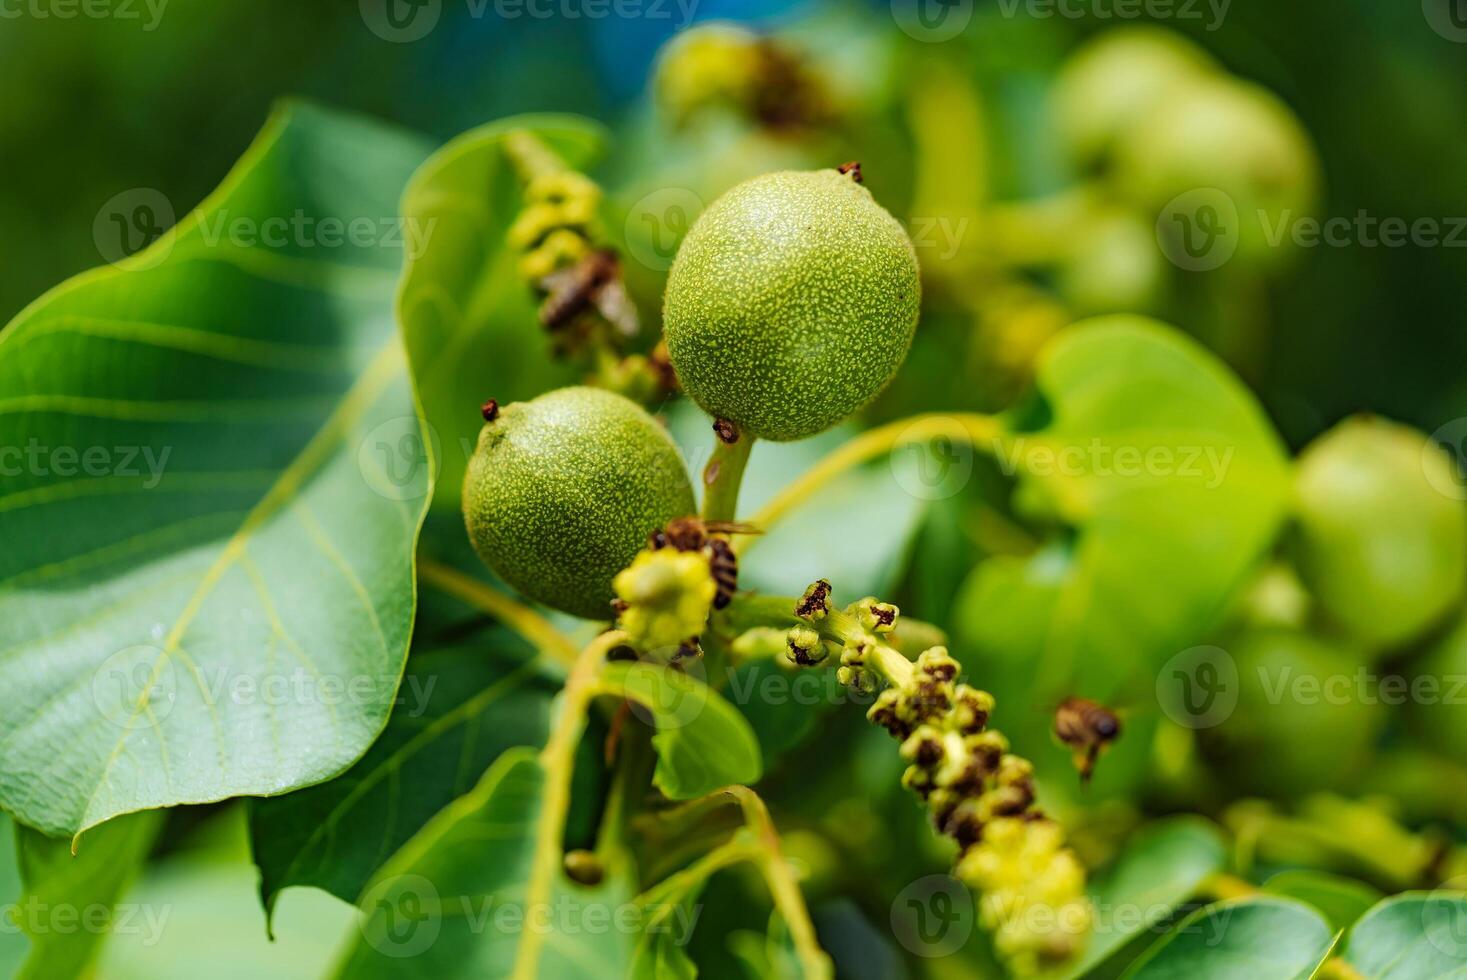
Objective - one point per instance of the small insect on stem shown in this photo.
(490, 410)
(1087, 728)
(851, 169)
(727, 432)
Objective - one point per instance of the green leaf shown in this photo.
(13, 943)
(75, 897)
(1411, 936)
(451, 902)
(1339, 899)
(468, 318)
(234, 619)
(1174, 483)
(702, 741)
(1190, 523)
(1250, 939)
(190, 910)
(461, 709)
(1158, 871)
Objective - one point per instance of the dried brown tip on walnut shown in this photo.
(851, 169)
(727, 432)
(490, 410)
(815, 603)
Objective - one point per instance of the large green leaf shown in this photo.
(461, 709)
(1247, 939)
(1174, 478)
(233, 620)
(451, 903)
(200, 906)
(13, 943)
(702, 741)
(1158, 872)
(468, 318)
(1174, 484)
(1412, 936)
(71, 900)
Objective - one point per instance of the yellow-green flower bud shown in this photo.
(804, 647)
(668, 595)
(1018, 866)
(874, 615)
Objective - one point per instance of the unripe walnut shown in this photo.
(1302, 721)
(1111, 82)
(1223, 134)
(791, 303)
(562, 492)
(1378, 545)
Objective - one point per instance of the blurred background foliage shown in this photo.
(101, 106)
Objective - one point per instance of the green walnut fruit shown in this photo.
(1111, 82)
(1434, 698)
(1221, 134)
(791, 303)
(562, 492)
(1379, 543)
(1306, 718)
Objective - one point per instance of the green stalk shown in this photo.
(722, 476)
